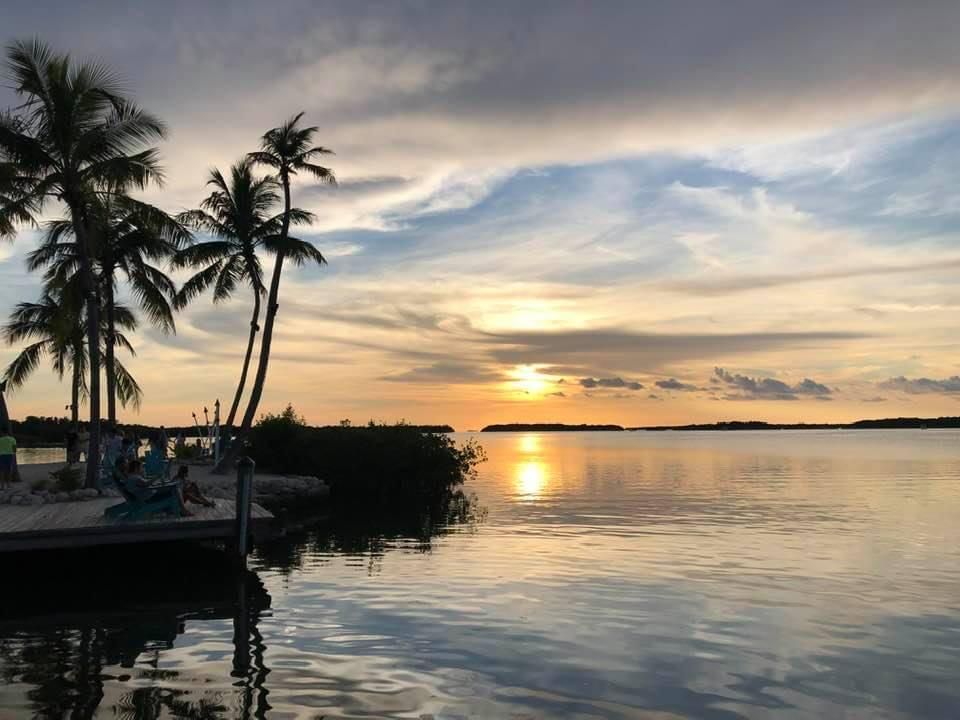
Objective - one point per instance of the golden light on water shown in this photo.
(530, 479)
(529, 443)
(530, 474)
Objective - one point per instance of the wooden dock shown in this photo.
(82, 524)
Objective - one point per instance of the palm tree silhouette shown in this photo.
(287, 149)
(237, 216)
(75, 137)
(126, 237)
(55, 327)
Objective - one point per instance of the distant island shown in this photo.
(885, 423)
(551, 427)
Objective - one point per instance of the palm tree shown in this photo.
(126, 236)
(287, 149)
(236, 215)
(75, 138)
(54, 328)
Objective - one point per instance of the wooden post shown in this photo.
(245, 468)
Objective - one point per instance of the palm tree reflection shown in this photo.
(66, 657)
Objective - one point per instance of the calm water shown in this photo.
(673, 575)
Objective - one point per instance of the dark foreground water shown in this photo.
(673, 575)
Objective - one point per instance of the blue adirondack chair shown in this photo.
(141, 501)
(156, 467)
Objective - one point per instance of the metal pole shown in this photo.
(245, 468)
(216, 433)
(197, 425)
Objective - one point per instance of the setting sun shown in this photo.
(527, 379)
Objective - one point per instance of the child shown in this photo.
(8, 457)
(189, 490)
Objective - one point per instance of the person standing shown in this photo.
(73, 446)
(83, 443)
(164, 442)
(8, 457)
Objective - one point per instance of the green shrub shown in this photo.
(375, 463)
(187, 452)
(67, 479)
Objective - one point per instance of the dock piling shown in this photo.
(245, 469)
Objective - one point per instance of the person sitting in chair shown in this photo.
(189, 490)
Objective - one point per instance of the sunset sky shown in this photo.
(638, 213)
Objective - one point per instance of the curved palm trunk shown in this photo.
(111, 366)
(254, 328)
(256, 392)
(93, 342)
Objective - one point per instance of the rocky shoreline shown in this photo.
(267, 489)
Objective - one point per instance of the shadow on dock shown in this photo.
(72, 622)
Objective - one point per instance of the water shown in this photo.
(621, 575)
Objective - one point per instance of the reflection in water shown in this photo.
(531, 477)
(529, 443)
(657, 575)
(103, 641)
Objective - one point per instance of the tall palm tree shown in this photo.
(237, 216)
(289, 150)
(55, 328)
(74, 137)
(126, 237)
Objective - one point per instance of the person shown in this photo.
(8, 457)
(73, 446)
(189, 490)
(179, 444)
(132, 472)
(112, 448)
(83, 443)
(163, 441)
(129, 445)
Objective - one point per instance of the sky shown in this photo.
(639, 213)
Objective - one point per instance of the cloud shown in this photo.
(557, 394)
(922, 385)
(769, 388)
(444, 373)
(673, 384)
(625, 350)
(876, 399)
(713, 286)
(614, 382)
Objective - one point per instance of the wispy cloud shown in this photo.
(922, 385)
(767, 388)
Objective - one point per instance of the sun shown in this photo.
(527, 379)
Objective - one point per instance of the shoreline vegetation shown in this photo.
(904, 423)
(551, 427)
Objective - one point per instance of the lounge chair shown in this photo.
(156, 467)
(141, 501)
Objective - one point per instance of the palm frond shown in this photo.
(129, 392)
(23, 365)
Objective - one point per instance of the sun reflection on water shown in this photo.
(531, 477)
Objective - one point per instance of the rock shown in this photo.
(61, 497)
(75, 494)
(89, 493)
(32, 500)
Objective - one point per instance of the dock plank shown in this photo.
(83, 523)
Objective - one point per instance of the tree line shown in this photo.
(76, 143)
